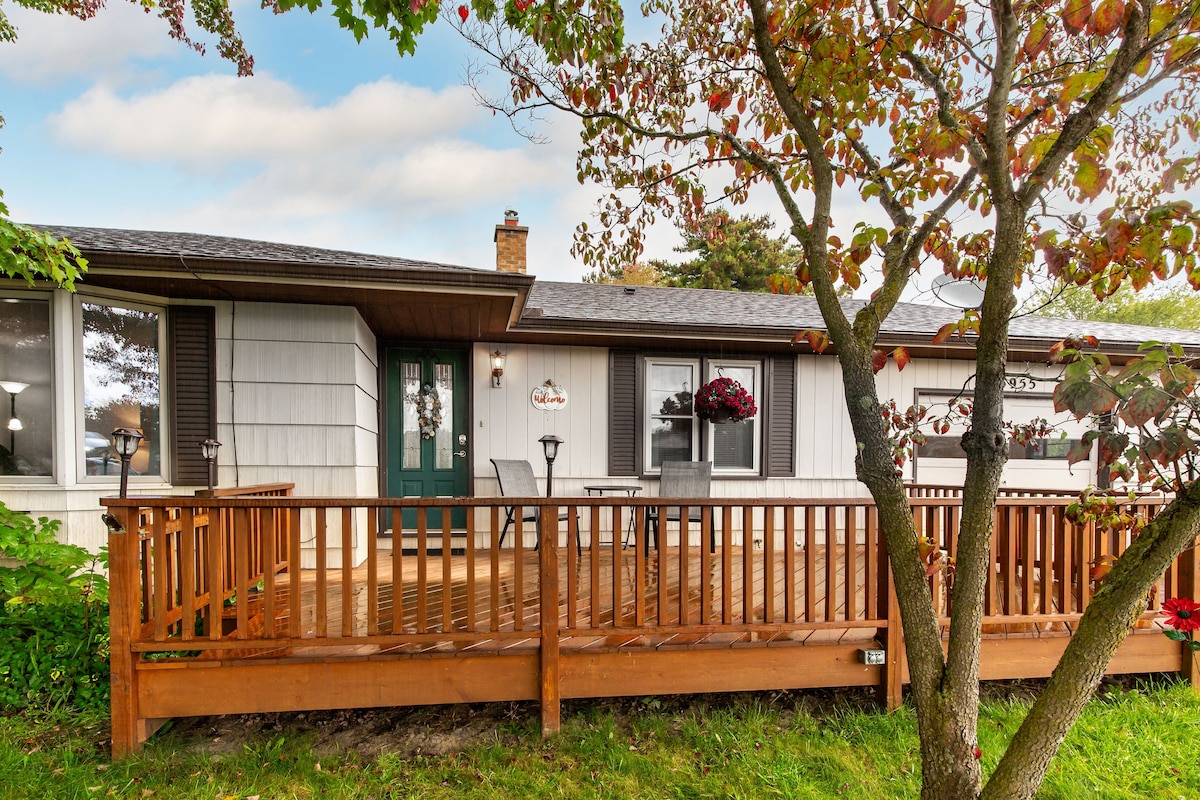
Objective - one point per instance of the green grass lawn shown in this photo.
(1131, 743)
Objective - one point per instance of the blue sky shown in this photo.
(110, 123)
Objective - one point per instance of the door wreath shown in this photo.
(429, 410)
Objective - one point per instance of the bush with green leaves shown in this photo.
(53, 618)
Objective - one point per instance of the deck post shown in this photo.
(1189, 586)
(890, 692)
(124, 618)
(551, 693)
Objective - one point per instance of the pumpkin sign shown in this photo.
(549, 397)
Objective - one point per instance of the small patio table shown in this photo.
(630, 489)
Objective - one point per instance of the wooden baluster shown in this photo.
(472, 611)
(447, 573)
(241, 569)
(618, 567)
(747, 564)
(851, 563)
(518, 569)
(831, 564)
(871, 580)
(124, 629)
(685, 537)
(664, 539)
(594, 563)
(188, 564)
(295, 583)
(494, 563)
(372, 571)
(727, 564)
(810, 564)
(639, 563)
(268, 542)
(347, 571)
(769, 564)
(572, 566)
(706, 573)
(422, 567)
(158, 580)
(321, 555)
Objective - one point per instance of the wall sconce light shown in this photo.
(497, 359)
(209, 448)
(126, 441)
(13, 388)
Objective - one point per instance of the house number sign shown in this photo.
(549, 397)
(1020, 383)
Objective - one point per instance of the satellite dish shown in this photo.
(959, 293)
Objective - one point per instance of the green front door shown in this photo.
(427, 432)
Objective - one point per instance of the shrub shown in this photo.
(53, 618)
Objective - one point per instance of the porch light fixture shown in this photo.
(126, 442)
(13, 388)
(550, 444)
(209, 448)
(497, 359)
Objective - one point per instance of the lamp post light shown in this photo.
(209, 448)
(550, 444)
(13, 388)
(126, 441)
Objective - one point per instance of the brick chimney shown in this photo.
(510, 244)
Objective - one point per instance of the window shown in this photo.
(27, 435)
(674, 433)
(671, 427)
(121, 385)
(734, 446)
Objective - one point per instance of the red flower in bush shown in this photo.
(724, 397)
(1182, 614)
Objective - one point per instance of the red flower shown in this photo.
(1182, 614)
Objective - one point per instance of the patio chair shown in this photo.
(683, 479)
(516, 480)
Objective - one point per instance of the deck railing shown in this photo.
(744, 574)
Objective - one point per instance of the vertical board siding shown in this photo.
(193, 388)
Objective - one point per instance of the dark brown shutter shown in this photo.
(781, 417)
(193, 387)
(622, 413)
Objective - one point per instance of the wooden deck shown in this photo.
(214, 612)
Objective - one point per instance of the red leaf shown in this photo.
(1108, 17)
(1146, 404)
(902, 358)
(463, 13)
(522, 4)
(1080, 451)
(944, 332)
(878, 359)
(612, 87)
(1075, 15)
(938, 11)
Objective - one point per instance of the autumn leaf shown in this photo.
(1145, 404)
(938, 11)
(944, 332)
(1075, 15)
(1108, 17)
(463, 13)
(878, 359)
(902, 358)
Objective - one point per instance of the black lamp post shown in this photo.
(126, 441)
(550, 444)
(209, 448)
(13, 388)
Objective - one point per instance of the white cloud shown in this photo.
(51, 48)
(206, 121)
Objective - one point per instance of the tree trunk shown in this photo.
(1105, 624)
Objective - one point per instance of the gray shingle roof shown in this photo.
(226, 248)
(607, 307)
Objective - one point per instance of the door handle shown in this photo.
(460, 453)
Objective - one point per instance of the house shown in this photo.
(308, 365)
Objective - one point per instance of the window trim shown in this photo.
(164, 399)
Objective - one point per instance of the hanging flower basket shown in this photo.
(429, 410)
(724, 400)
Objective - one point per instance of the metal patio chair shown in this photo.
(516, 480)
(683, 479)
